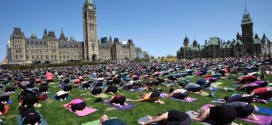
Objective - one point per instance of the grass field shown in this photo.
(56, 114)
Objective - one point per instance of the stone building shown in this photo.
(25, 50)
(245, 44)
(49, 48)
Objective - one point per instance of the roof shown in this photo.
(213, 41)
(225, 45)
(238, 41)
(31, 41)
(17, 31)
(69, 44)
(257, 41)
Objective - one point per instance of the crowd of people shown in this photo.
(111, 78)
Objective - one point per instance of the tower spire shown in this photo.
(62, 36)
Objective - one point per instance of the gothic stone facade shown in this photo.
(242, 45)
(28, 50)
(21, 49)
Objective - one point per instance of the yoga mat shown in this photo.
(124, 107)
(145, 119)
(236, 85)
(82, 113)
(96, 122)
(259, 100)
(19, 118)
(189, 99)
(212, 88)
(53, 97)
(218, 101)
(263, 120)
(136, 90)
(189, 77)
(263, 110)
(9, 101)
(102, 95)
(218, 83)
(190, 113)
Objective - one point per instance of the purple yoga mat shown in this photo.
(263, 120)
(189, 99)
(124, 107)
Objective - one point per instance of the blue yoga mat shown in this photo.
(263, 110)
(9, 101)
(19, 118)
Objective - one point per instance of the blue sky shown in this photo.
(157, 26)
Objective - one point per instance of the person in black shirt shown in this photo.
(217, 115)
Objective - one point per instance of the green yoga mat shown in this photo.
(96, 122)
(218, 83)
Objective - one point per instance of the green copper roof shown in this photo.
(89, 1)
(213, 41)
(226, 45)
(238, 42)
(257, 41)
(246, 18)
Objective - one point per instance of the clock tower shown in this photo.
(247, 33)
(91, 52)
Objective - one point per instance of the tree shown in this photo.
(139, 52)
(145, 55)
(162, 58)
(180, 53)
(152, 57)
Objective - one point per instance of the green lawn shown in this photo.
(55, 114)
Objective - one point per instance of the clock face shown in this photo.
(90, 7)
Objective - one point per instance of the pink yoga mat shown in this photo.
(189, 99)
(82, 113)
(263, 120)
(206, 106)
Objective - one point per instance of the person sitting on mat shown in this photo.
(172, 117)
(178, 94)
(67, 88)
(150, 97)
(96, 91)
(77, 105)
(262, 93)
(244, 110)
(104, 120)
(31, 117)
(192, 87)
(4, 98)
(246, 79)
(252, 86)
(111, 88)
(216, 115)
(239, 97)
(29, 101)
(61, 95)
(118, 100)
